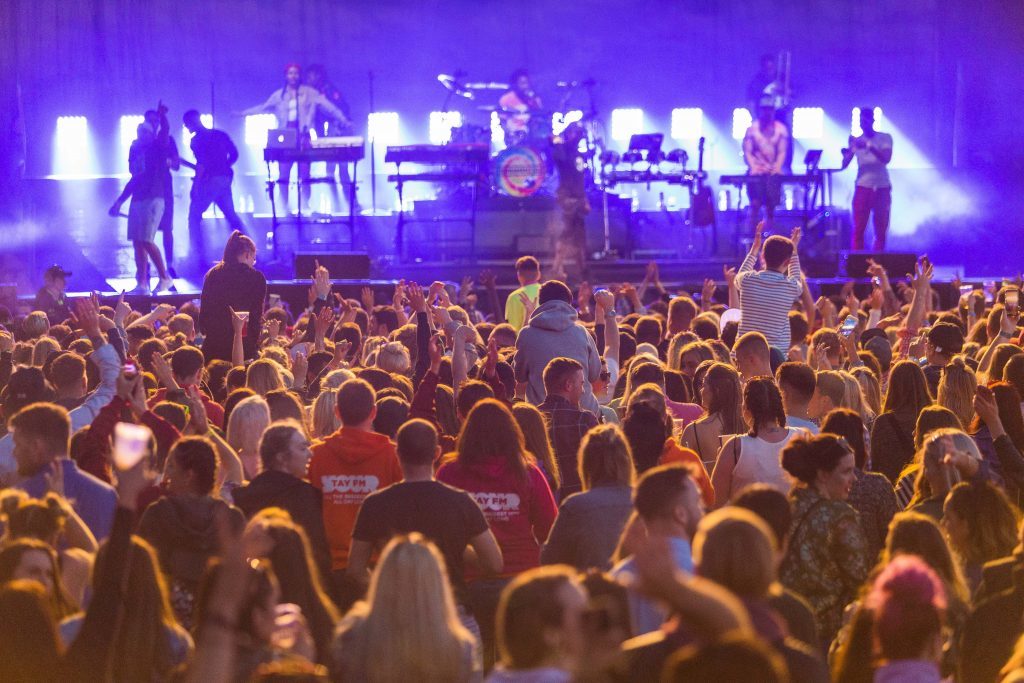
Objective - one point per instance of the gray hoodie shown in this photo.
(554, 331)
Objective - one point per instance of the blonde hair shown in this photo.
(335, 378)
(245, 427)
(930, 456)
(275, 353)
(855, 398)
(870, 388)
(956, 390)
(325, 416)
(42, 350)
(408, 627)
(393, 357)
(264, 375)
(535, 438)
(605, 458)
(370, 347)
(735, 548)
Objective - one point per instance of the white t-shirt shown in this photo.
(293, 110)
(871, 171)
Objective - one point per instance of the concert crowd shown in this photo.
(616, 483)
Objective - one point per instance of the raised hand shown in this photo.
(197, 411)
(605, 299)
(488, 279)
(795, 235)
(435, 350)
(322, 321)
(417, 302)
(466, 287)
(707, 292)
(758, 236)
(875, 269)
(366, 298)
(340, 353)
(491, 364)
(162, 369)
(237, 321)
(398, 298)
(529, 305)
(321, 281)
(923, 271)
(729, 274)
(273, 328)
(300, 366)
(163, 312)
(88, 317)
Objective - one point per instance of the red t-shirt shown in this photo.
(520, 513)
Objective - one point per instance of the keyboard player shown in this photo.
(295, 105)
(764, 150)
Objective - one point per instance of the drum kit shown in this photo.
(524, 168)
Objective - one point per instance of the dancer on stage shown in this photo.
(874, 189)
(295, 106)
(148, 163)
(327, 125)
(764, 149)
(516, 106)
(167, 220)
(215, 155)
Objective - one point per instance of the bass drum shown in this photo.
(522, 171)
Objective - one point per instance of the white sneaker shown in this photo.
(165, 284)
(140, 289)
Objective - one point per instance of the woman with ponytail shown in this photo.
(232, 285)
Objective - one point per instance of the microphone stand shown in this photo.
(373, 155)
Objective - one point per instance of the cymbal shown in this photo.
(451, 84)
(487, 86)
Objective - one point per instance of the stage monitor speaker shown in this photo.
(854, 264)
(343, 265)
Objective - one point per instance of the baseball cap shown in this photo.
(56, 271)
(879, 346)
(947, 338)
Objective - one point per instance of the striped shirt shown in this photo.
(766, 297)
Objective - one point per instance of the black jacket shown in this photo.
(237, 286)
(298, 498)
(183, 530)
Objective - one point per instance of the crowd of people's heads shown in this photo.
(620, 483)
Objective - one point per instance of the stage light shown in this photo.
(441, 124)
(256, 128)
(687, 123)
(129, 129)
(626, 123)
(560, 121)
(855, 128)
(382, 127)
(808, 123)
(741, 120)
(71, 149)
(497, 132)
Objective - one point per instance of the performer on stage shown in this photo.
(874, 190)
(215, 155)
(147, 161)
(572, 198)
(764, 149)
(327, 125)
(167, 220)
(772, 83)
(519, 98)
(295, 106)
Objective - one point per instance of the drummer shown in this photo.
(519, 98)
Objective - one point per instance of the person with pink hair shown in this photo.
(909, 606)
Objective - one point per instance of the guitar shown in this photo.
(702, 202)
